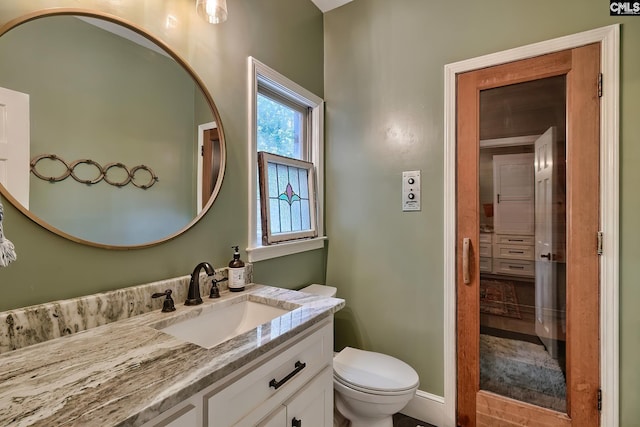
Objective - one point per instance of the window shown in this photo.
(287, 191)
(284, 120)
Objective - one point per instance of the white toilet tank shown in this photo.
(323, 290)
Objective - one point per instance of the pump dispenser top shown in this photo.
(236, 272)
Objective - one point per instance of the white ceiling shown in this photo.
(327, 5)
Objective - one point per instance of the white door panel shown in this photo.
(546, 256)
(14, 144)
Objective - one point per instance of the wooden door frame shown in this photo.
(609, 39)
(199, 161)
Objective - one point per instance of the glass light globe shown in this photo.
(213, 11)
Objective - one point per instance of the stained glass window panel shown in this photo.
(273, 183)
(304, 184)
(305, 215)
(296, 220)
(287, 184)
(285, 217)
(275, 215)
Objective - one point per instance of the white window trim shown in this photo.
(267, 76)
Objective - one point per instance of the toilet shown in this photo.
(369, 387)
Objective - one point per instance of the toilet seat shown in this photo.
(370, 392)
(373, 373)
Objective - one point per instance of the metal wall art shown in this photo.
(131, 175)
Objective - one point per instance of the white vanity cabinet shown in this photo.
(513, 194)
(310, 407)
(514, 255)
(512, 250)
(277, 419)
(294, 380)
(184, 414)
(485, 252)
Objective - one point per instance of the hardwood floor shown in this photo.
(401, 420)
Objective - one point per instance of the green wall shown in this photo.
(384, 64)
(383, 70)
(284, 34)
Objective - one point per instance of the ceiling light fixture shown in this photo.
(213, 11)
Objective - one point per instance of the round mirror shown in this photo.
(107, 137)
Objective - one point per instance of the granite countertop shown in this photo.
(127, 372)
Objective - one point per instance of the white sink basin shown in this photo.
(216, 324)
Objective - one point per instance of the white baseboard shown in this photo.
(427, 407)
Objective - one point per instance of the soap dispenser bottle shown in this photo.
(236, 272)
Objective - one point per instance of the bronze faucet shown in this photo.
(193, 296)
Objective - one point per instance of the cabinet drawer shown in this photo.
(485, 250)
(485, 265)
(228, 406)
(513, 252)
(514, 239)
(486, 238)
(513, 267)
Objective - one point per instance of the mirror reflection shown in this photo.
(104, 99)
(522, 222)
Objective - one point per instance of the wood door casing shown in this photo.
(480, 408)
(209, 154)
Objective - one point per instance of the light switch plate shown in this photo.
(411, 190)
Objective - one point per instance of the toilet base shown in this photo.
(358, 420)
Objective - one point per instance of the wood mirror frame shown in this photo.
(219, 151)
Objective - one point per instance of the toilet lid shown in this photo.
(373, 371)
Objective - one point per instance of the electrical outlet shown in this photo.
(411, 190)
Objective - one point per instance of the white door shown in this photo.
(547, 232)
(513, 193)
(14, 144)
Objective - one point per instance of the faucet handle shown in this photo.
(167, 305)
(215, 291)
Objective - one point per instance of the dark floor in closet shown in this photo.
(401, 420)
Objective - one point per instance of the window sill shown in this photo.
(261, 253)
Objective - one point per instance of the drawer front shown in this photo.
(485, 250)
(514, 252)
(513, 267)
(485, 265)
(284, 371)
(514, 239)
(486, 238)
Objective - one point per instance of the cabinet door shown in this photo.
(252, 397)
(277, 419)
(312, 406)
(513, 191)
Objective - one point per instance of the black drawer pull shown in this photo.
(296, 422)
(277, 384)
